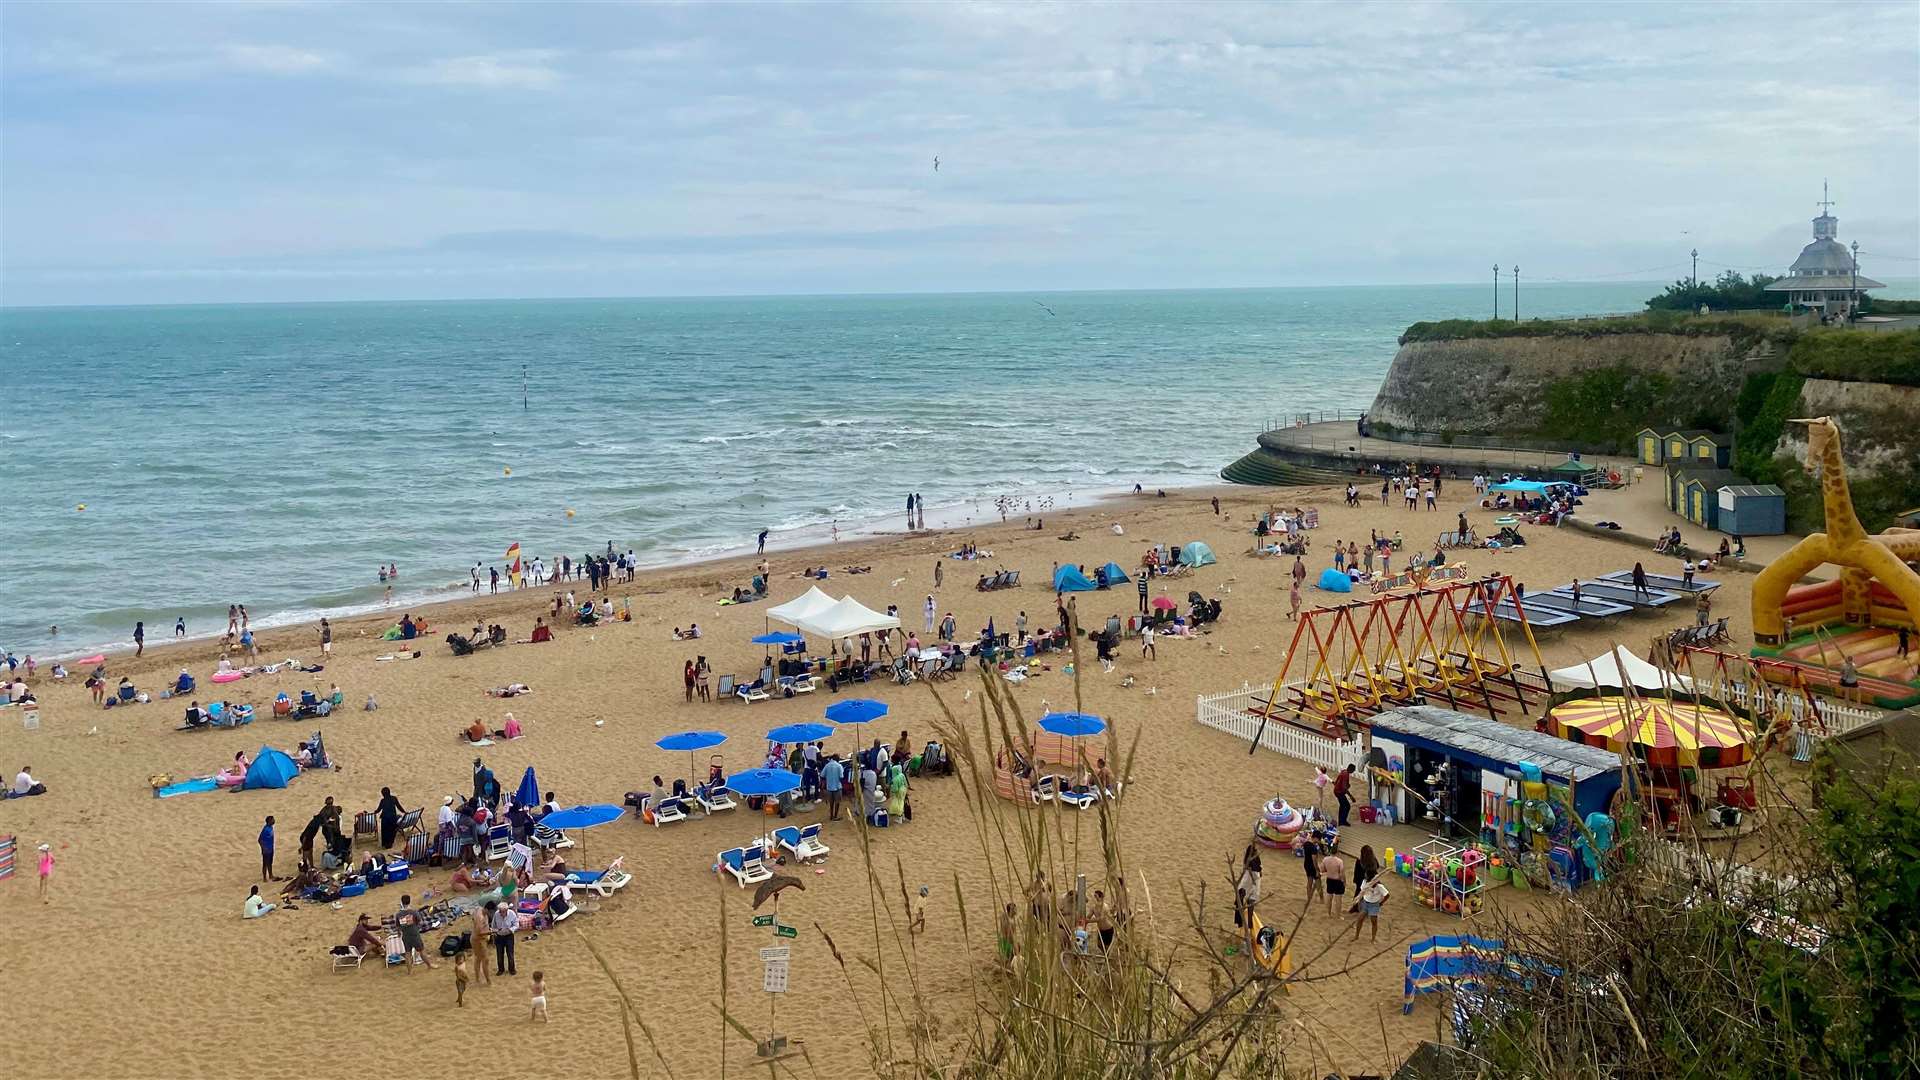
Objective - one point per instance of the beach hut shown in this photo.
(1677, 445)
(1700, 495)
(1069, 579)
(1752, 510)
(272, 769)
(1710, 449)
(1197, 554)
(1650, 447)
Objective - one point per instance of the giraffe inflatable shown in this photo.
(1845, 543)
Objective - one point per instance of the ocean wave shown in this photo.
(742, 437)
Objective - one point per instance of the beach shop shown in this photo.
(1482, 781)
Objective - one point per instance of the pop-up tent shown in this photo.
(811, 602)
(1617, 670)
(1529, 487)
(1116, 575)
(845, 618)
(272, 769)
(1197, 554)
(1069, 579)
(1334, 581)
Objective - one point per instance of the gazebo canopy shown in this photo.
(844, 618)
(807, 603)
(1618, 670)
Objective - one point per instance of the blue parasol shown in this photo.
(800, 733)
(763, 782)
(528, 793)
(689, 741)
(778, 637)
(856, 711)
(583, 817)
(1072, 724)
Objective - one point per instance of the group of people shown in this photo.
(1074, 920)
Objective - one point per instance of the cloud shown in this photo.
(522, 70)
(275, 59)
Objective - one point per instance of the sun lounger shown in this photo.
(551, 839)
(713, 799)
(752, 692)
(804, 843)
(747, 865)
(602, 883)
(345, 958)
(1079, 800)
(668, 812)
(797, 684)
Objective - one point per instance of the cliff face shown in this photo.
(1594, 391)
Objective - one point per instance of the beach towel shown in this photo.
(186, 787)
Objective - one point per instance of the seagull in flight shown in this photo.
(936, 163)
(1047, 309)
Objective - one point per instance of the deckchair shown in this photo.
(713, 798)
(804, 843)
(602, 883)
(725, 688)
(668, 812)
(752, 692)
(747, 865)
(499, 842)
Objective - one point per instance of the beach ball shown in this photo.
(506, 472)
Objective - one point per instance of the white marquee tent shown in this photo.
(800, 607)
(845, 618)
(1609, 669)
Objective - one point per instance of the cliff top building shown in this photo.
(1826, 277)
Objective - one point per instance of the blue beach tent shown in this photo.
(1115, 575)
(1069, 579)
(1335, 581)
(1197, 554)
(272, 769)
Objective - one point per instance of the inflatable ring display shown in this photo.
(1279, 823)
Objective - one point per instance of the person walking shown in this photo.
(833, 775)
(1310, 862)
(1372, 897)
(1246, 891)
(1141, 585)
(409, 922)
(1343, 792)
(939, 572)
(1216, 506)
(1299, 571)
(504, 921)
(326, 638)
(1333, 875)
(1293, 600)
(1146, 642)
(46, 871)
(493, 581)
(920, 504)
(763, 543)
(930, 612)
(266, 851)
(139, 638)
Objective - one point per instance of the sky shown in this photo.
(272, 151)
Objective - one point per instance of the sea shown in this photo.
(161, 463)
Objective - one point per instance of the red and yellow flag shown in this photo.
(513, 562)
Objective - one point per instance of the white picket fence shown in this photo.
(1228, 712)
(1838, 718)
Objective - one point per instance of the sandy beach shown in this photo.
(146, 895)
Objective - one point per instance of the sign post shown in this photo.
(773, 981)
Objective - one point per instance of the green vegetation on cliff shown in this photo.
(1745, 331)
(1607, 406)
(1858, 356)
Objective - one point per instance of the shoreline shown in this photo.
(732, 569)
(974, 513)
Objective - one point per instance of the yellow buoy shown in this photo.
(506, 472)
(569, 513)
(82, 506)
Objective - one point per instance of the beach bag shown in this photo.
(455, 944)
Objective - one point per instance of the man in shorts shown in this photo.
(411, 941)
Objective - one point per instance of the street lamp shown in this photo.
(1695, 297)
(1496, 292)
(1516, 292)
(1855, 302)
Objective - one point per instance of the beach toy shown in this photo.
(1389, 856)
(96, 658)
(228, 676)
(569, 511)
(1279, 824)
(81, 508)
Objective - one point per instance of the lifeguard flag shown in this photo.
(513, 562)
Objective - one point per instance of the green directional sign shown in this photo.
(763, 920)
(785, 931)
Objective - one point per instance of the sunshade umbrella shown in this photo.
(856, 710)
(528, 793)
(1072, 724)
(583, 817)
(1165, 603)
(800, 733)
(691, 741)
(1664, 732)
(763, 782)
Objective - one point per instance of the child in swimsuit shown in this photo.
(539, 997)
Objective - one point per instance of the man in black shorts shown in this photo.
(409, 920)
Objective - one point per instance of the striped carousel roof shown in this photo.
(1661, 730)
